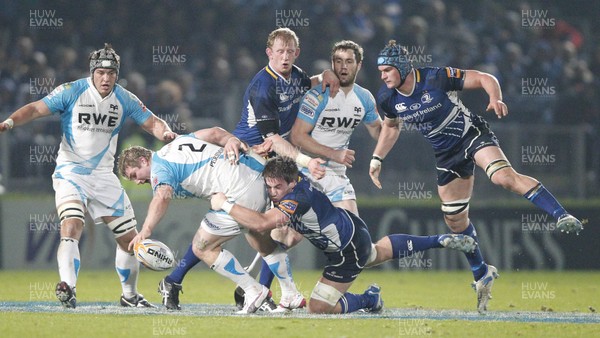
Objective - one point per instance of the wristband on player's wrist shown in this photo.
(377, 157)
(10, 123)
(303, 160)
(227, 206)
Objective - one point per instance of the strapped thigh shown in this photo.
(455, 207)
(120, 226)
(496, 165)
(71, 210)
(326, 293)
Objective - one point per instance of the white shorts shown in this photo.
(219, 223)
(336, 187)
(101, 193)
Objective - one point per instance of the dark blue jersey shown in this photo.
(271, 104)
(433, 107)
(311, 213)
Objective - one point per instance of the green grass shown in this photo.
(559, 291)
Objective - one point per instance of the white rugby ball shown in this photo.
(153, 254)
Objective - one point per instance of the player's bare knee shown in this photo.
(199, 245)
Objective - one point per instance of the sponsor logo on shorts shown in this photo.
(211, 225)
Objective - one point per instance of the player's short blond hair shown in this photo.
(130, 157)
(285, 34)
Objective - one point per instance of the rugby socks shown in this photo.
(475, 259)
(186, 264)
(406, 245)
(279, 263)
(128, 268)
(228, 266)
(266, 275)
(543, 199)
(68, 260)
(351, 302)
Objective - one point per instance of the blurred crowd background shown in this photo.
(190, 62)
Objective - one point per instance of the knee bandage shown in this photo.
(71, 210)
(122, 225)
(496, 165)
(326, 293)
(455, 207)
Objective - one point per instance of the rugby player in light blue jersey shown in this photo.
(198, 165)
(92, 112)
(427, 97)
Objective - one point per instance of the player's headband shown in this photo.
(105, 58)
(397, 56)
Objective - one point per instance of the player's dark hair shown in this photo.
(281, 167)
(130, 157)
(348, 44)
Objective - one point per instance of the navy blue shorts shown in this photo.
(459, 161)
(344, 266)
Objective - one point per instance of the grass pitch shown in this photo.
(417, 303)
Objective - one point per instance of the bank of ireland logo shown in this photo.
(415, 106)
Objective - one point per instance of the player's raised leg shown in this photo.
(501, 173)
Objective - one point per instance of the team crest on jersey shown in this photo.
(426, 98)
(400, 107)
(288, 206)
(453, 72)
(415, 106)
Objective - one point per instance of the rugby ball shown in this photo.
(153, 254)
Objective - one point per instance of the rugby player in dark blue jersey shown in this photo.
(342, 236)
(460, 139)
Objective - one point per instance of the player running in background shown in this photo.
(340, 234)
(460, 140)
(196, 165)
(270, 106)
(324, 126)
(93, 111)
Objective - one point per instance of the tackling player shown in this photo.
(460, 139)
(196, 166)
(93, 111)
(341, 235)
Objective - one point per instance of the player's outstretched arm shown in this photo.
(156, 210)
(158, 128)
(300, 137)
(251, 219)
(390, 131)
(475, 79)
(25, 114)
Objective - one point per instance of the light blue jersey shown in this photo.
(196, 168)
(334, 119)
(90, 124)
